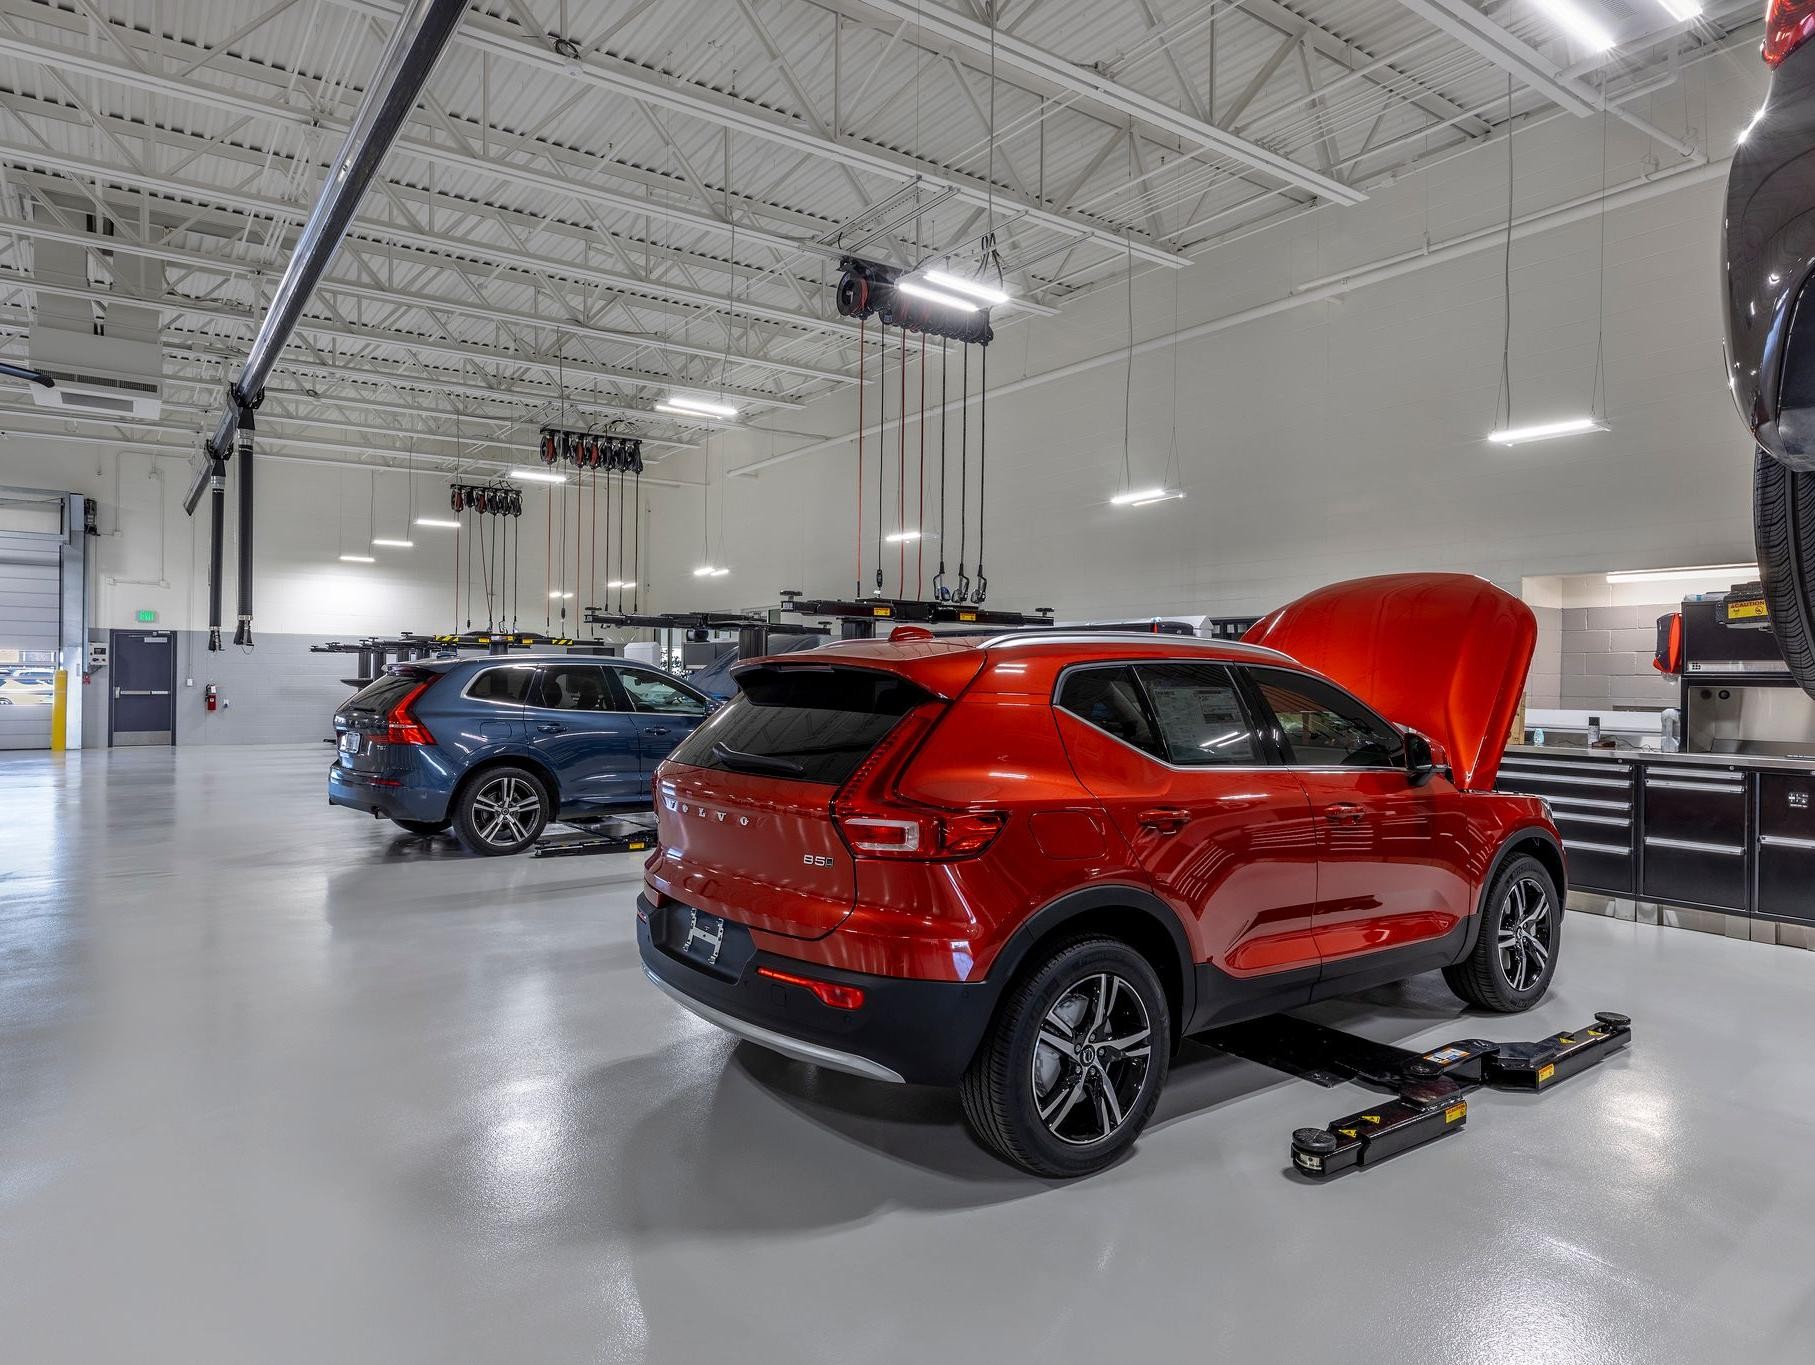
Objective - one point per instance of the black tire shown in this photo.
(501, 811)
(1783, 522)
(1017, 1072)
(426, 828)
(1515, 952)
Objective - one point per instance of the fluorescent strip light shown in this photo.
(1142, 497)
(701, 406)
(704, 571)
(438, 521)
(1681, 10)
(538, 476)
(720, 572)
(553, 596)
(900, 537)
(357, 559)
(975, 289)
(618, 583)
(694, 413)
(1545, 431)
(1730, 573)
(394, 544)
(920, 291)
(1574, 21)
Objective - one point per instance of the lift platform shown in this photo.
(630, 833)
(1429, 1089)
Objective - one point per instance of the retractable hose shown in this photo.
(863, 325)
(982, 587)
(940, 591)
(901, 478)
(920, 475)
(964, 478)
(636, 526)
(882, 422)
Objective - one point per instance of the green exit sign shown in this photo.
(148, 616)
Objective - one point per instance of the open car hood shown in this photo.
(1445, 654)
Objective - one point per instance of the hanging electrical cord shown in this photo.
(964, 478)
(901, 477)
(621, 580)
(882, 453)
(982, 589)
(1505, 394)
(940, 591)
(1597, 395)
(863, 324)
(920, 516)
(636, 527)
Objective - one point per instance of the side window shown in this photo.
(1323, 726)
(508, 685)
(647, 692)
(1110, 699)
(574, 687)
(1200, 715)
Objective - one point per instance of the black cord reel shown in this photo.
(486, 499)
(867, 289)
(590, 450)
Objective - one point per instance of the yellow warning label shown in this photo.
(967, 616)
(1746, 611)
(1455, 1112)
(1545, 1073)
(882, 611)
(1348, 1132)
(1371, 1118)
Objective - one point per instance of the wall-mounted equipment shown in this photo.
(211, 697)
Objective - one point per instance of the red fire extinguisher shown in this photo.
(211, 696)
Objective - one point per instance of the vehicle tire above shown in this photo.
(1783, 517)
(1515, 952)
(426, 828)
(500, 811)
(1073, 1062)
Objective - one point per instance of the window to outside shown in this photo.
(1324, 726)
(509, 685)
(650, 693)
(1110, 699)
(1200, 715)
(574, 687)
(805, 724)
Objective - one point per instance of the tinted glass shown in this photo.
(1324, 726)
(384, 692)
(575, 687)
(1200, 715)
(648, 692)
(1110, 699)
(808, 725)
(506, 684)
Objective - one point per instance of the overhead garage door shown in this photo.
(29, 603)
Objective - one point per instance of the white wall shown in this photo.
(1345, 437)
(150, 555)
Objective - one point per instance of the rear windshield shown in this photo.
(384, 692)
(803, 724)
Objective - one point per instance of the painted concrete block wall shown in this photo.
(275, 693)
(1606, 658)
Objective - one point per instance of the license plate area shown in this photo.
(350, 742)
(706, 941)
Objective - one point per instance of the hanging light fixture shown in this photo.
(440, 523)
(1577, 23)
(538, 475)
(695, 407)
(957, 284)
(915, 289)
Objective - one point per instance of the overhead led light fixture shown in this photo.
(357, 559)
(704, 571)
(619, 583)
(720, 572)
(394, 544)
(555, 596)
(939, 296)
(441, 522)
(1576, 22)
(1146, 497)
(1729, 573)
(694, 413)
(901, 537)
(1681, 10)
(681, 403)
(1545, 431)
(538, 475)
(957, 284)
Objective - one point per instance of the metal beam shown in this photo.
(1018, 55)
(1474, 30)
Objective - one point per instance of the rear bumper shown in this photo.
(920, 1032)
(363, 792)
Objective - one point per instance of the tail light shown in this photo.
(1787, 24)
(839, 997)
(877, 823)
(401, 726)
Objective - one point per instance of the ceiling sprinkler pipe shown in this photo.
(420, 38)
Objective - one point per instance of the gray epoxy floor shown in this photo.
(278, 1083)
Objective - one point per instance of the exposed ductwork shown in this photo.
(421, 37)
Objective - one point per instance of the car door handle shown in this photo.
(1343, 813)
(551, 729)
(1164, 819)
(657, 730)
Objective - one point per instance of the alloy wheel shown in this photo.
(1524, 933)
(1090, 1059)
(505, 809)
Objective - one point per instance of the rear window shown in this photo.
(803, 724)
(384, 692)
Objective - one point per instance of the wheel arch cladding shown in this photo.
(551, 789)
(1125, 913)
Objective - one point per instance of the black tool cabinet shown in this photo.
(1707, 832)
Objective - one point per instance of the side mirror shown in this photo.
(1419, 761)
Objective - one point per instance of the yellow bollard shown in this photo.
(59, 709)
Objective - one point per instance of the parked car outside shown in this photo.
(1027, 865)
(496, 747)
(1768, 244)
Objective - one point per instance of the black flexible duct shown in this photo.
(242, 634)
(217, 517)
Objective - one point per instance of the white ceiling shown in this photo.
(666, 208)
